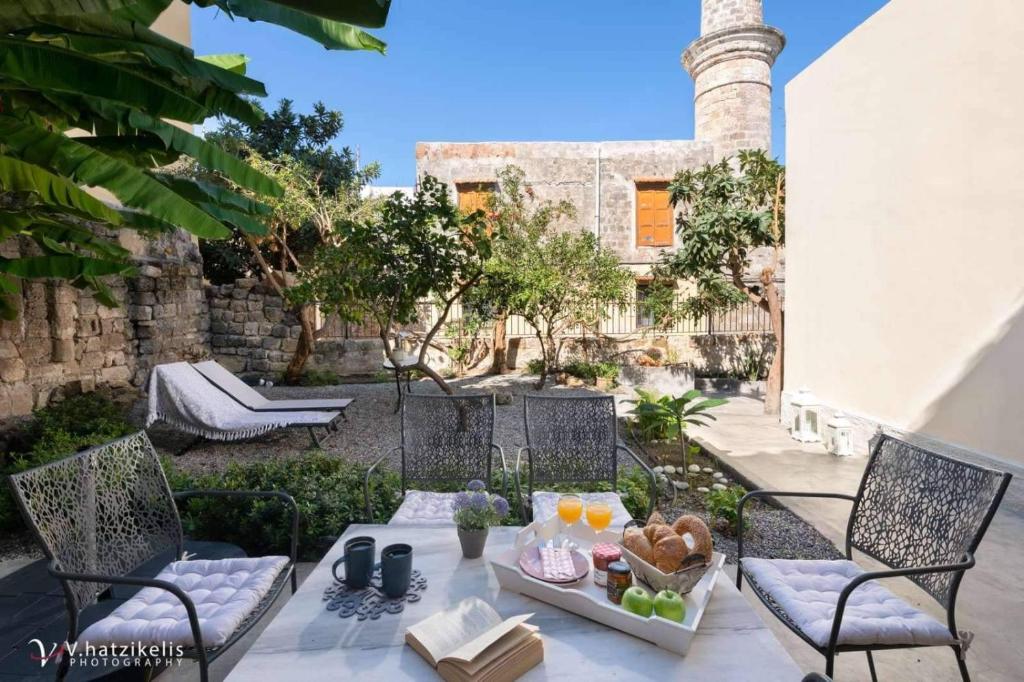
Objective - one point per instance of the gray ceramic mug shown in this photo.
(358, 559)
(396, 569)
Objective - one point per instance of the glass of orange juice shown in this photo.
(599, 515)
(570, 509)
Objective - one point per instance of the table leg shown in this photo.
(398, 386)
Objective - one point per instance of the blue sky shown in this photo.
(472, 70)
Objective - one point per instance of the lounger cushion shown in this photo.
(224, 592)
(545, 506)
(421, 508)
(247, 395)
(808, 592)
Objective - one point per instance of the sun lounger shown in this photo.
(247, 396)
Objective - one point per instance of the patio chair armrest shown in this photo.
(366, 482)
(287, 499)
(837, 620)
(504, 469)
(186, 601)
(519, 490)
(771, 493)
(652, 503)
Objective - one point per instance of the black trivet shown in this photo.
(370, 602)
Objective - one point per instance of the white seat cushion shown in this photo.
(224, 592)
(420, 508)
(808, 592)
(545, 505)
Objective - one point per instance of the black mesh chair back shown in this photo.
(572, 439)
(447, 438)
(104, 511)
(919, 508)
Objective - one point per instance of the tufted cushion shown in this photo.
(545, 505)
(809, 590)
(421, 508)
(224, 592)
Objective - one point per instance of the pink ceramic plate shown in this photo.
(530, 562)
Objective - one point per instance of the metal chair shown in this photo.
(445, 440)
(573, 440)
(921, 514)
(102, 514)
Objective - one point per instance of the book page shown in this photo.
(470, 650)
(444, 632)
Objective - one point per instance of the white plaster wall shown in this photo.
(905, 291)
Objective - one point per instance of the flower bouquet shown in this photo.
(474, 512)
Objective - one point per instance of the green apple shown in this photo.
(636, 600)
(670, 605)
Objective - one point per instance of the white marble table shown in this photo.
(306, 642)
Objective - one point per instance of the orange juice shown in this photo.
(599, 515)
(570, 508)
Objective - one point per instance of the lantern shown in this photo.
(805, 417)
(839, 435)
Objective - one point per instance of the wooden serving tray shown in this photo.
(590, 601)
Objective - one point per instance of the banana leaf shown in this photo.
(86, 165)
(368, 13)
(202, 191)
(234, 62)
(333, 35)
(107, 25)
(51, 68)
(136, 10)
(143, 151)
(244, 222)
(62, 267)
(53, 190)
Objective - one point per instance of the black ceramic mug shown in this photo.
(358, 559)
(396, 569)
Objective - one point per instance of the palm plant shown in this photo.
(666, 417)
(87, 93)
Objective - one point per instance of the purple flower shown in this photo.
(500, 506)
(461, 501)
(476, 485)
(479, 501)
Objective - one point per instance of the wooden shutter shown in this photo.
(654, 215)
(474, 196)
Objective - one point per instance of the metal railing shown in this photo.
(625, 320)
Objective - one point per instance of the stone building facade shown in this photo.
(611, 183)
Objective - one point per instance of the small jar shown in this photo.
(620, 578)
(604, 553)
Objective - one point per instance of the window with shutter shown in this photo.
(654, 215)
(474, 196)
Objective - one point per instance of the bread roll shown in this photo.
(669, 553)
(699, 541)
(656, 519)
(653, 528)
(636, 542)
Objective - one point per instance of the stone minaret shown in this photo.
(731, 66)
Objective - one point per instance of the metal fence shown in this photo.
(626, 320)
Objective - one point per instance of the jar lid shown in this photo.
(606, 551)
(618, 567)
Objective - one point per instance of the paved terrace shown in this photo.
(760, 449)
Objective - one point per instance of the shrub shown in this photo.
(328, 492)
(56, 432)
(634, 490)
(591, 372)
(535, 366)
(722, 505)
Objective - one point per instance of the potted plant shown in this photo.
(475, 511)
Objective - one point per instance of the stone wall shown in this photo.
(578, 172)
(63, 341)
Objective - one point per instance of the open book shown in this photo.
(471, 642)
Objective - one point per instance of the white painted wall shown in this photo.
(905, 263)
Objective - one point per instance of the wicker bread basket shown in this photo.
(682, 581)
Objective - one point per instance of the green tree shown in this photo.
(556, 281)
(515, 215)
(380, 269)
(98, 67)
(321, 184)
(728, 211)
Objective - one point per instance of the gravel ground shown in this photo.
(372, 428)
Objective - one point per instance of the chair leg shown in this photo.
(830, 665)
(871, 666)
(65, 657)
(961, 662)
(204, 670)
(295, 580)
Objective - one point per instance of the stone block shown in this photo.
(150, 271)
(262, 366)
(239, 306)
(63, 350)
(273, 314)
(254, 305)
(116, 377)
(91, 360)
(239, 294)
(12, 370)
(143, 298)
(271, 343)
(289, 345)
(8, 350)
(280, 331)
(140, 312)
(21, 399)
(218, 326)
(251, 328)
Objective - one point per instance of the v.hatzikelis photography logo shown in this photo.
(86, 655)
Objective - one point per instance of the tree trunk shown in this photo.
(499, 345)
(773, 393)
(307, 342)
